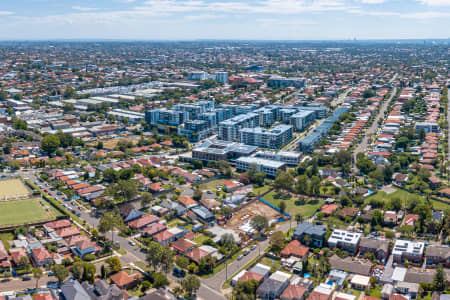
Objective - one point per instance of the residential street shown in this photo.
(362, 146)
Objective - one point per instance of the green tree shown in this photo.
(259, 223)
(277, 241)
(439, 283)
(190, 285)
(282, 207)
(182, 262)
(37, 274)
(245, 290)
(114, 264)
(60, 272)
(50, 143)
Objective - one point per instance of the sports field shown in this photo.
(26, 211)
(13, 188)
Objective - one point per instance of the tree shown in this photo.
(227, 239)
(110, 175)
(146, 198)
(24, 262)
(60, 272)
(190, 285)
(377, 218)
(50, 143)
(107, 223)
(89, 272)
(298, 218)
(167, 257)
(284, 180)
(182, 262)
(245, 290)
(114, 264)
(282, 207)
(77, 269)
(159, 280)
(439, 283)
(37, 274)
(277, 241)
(197, 195)
(206, 264)
(260, 223)
(153, 255)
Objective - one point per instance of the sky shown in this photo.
(224, 19)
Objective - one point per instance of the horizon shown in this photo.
(225, 20)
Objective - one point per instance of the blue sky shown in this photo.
(224, 19)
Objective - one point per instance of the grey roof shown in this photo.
(350, 266)
(374, 244)
(438, 251)
(72, 290)
(310, 229)
(269, 285)
(419, 277)
(261, 269)
(24, 297)
(202, 212)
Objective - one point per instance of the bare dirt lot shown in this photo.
(256, 208)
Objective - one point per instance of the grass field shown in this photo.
(13, 188)
(212, 185)
(292, 208)
(440, 205)
(401, 194)
(24, 212)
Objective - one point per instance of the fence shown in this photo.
(273, 206)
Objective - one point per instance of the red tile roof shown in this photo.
(122, 278)
(143, 221)
(294, 248)
(293, 292)
(250, 275)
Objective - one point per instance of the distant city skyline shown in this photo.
(225, 19)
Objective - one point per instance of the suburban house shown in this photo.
(84, 247)
(124, 280)
(407, 250)
(437, 255)
(294, 248)
(345, 240)
(314, 234)
(293, 292)
(272, 287)
(380, 248)
(41, 257)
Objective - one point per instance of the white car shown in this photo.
(132, 243)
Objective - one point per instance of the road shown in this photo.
(210, 288)
(362, 146)
(219, 279)
(341, 98)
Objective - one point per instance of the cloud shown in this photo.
(416, 15)
(373, 1)
(435, 2)
(6, 13)
(83, 8)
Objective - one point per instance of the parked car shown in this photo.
(253, 247)
(132, 243)
(26, 278)
(246, 252)
(240, 257)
